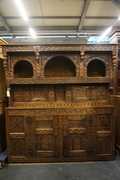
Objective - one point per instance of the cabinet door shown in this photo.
(74, 135)
(46, 133)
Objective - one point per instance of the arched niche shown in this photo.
(96, 68)
(60, 66)
(23, 69)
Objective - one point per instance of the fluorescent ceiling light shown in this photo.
(3, 37)
(104, 34)
(21, 9)
(119, 18)
(32, 32)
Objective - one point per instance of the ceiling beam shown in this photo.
(40, 30)
(85, 8)
(2, 19)
(116, 2)
(63, 17)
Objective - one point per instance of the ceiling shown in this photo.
(58, 19)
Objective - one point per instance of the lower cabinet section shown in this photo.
(60, 135)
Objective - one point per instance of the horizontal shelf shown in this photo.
(74, 80)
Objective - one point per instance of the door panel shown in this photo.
(46, 130)
(75, 142)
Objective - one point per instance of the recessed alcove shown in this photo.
(60, 66)
(23, 69)
(96, 68)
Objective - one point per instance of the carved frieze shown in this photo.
(62, 47)
(60, 80)
(61, 110)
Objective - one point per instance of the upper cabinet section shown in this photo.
(50, 64)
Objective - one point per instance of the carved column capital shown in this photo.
(37, 56)
(82, 55)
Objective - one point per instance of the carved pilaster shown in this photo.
(37, 56)
(114, 56)
(82, 57)
(6, 70)
(114, 59)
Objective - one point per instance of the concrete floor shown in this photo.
(101, 170)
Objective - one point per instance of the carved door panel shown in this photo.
(75, 137)
(16, 138)
(46, 132)
(104, 134)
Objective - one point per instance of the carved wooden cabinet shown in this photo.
(60, 102)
